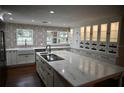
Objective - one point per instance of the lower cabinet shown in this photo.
(11, 57)
(15, 57)
(45, 72)
(25, 56)
(50, 77)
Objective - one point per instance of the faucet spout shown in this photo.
(48, 50)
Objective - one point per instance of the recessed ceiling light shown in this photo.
(52, 12)
(64, 24)
(11, 18)
(32, 20)
(9, 13)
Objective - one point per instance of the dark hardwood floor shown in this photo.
(24, 76)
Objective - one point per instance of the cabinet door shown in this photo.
(30, 58)
(8, 58)
(21, 59)
(13, 57)
(25, 56)
(49, 79)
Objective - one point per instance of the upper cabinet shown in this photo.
(95, 32)
(101, 37)
(82, 33)
(114, 31)
(71, 36)
(103, 33)
(88, 28)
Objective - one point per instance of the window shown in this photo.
(24, 35)
(51, 37)
(54, 37)
(114, 32)
(88, 33)
(103, 32)
(95, 32)
(63, 37)
(82, 33)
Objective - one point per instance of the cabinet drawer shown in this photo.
(24, 58)
(25, 52)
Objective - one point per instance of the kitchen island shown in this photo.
(75, 70)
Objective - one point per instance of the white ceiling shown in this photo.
(64, 16)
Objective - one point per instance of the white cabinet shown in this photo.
(25, 56)
(11, 57)
(45, 72)
(49, 76)
(16, 57)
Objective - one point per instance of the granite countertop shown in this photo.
(79, 70)
(33, 48)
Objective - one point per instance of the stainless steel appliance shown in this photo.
(2, 56)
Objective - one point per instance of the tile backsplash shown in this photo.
(39, 34)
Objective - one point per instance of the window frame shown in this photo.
(23, 43)
(57, 37)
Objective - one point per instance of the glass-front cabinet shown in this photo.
(94, 37)
(103, 37)
(82, 37)
(100, 37)
(114, 29)
(88, 33)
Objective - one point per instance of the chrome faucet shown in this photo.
(48, 50)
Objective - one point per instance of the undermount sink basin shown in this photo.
(43, 53)
(51, 57)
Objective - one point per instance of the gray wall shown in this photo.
(39, 34)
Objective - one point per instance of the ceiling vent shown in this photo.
(45, 22)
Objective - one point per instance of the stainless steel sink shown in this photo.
(51, 57)
(43, 53)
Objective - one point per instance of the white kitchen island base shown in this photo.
(75, 70)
